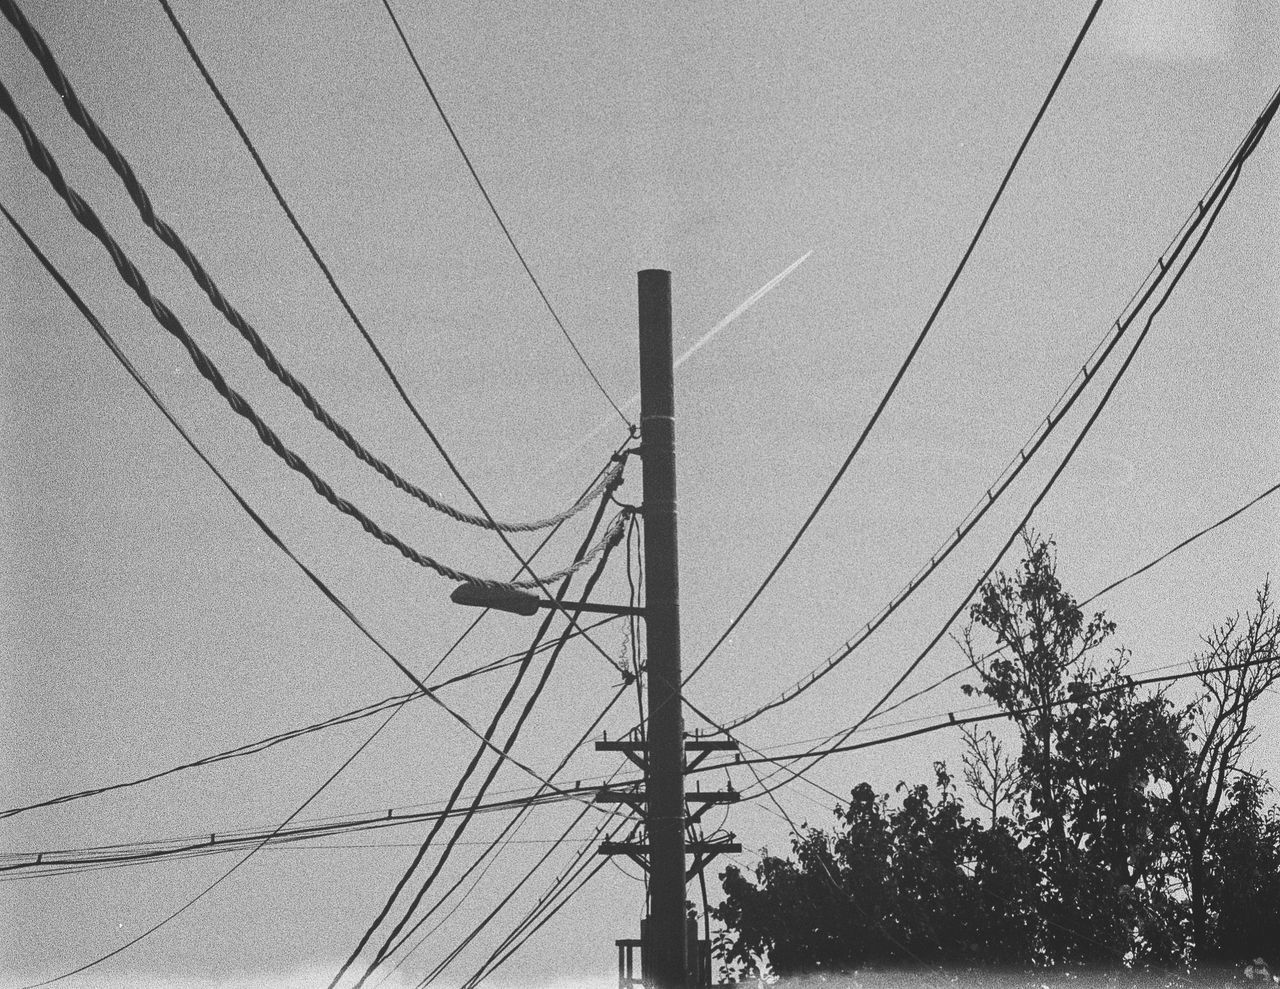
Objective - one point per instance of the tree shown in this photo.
(1094, 755)
(1239, 663)
(1243, 891)
(1119, 830)
(916, 884)
(993, 776)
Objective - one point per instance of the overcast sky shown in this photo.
(146, 622)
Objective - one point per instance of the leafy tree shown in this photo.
(916, 884)
(1119, 831)
(1094, 755)
(1239, 663)
(1243, 894)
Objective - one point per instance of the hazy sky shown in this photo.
(146, 622)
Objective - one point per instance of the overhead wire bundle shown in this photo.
(1044, 428)
(1191, 237)
(911, 354)
(133, 277)
(390, 941)
(85, 214)
(120, 165)
(51, 863)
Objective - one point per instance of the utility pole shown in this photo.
(666, 948)
(667, 934)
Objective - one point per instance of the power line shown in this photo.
(258, 520)
(53, 861)
(1182, 545)
(915, 347)
(1008, 475)
(377, 464)
(584, 848)
(84, 213)
(779, 759)
(213, 885)
(497, 216)
(120, 165)
(44, 158)
(402, 883)
(585, 735)
(1012, 470)
(261, 745)
(389, 943)
(1097, 594)
(542, 912)
(1216, 200)
(1040, 497)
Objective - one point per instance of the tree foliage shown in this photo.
(1121, 831)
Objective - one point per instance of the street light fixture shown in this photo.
(520, 602)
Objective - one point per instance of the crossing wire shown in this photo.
(542, 912)
(1221, 195)
(582, 739)
(585, 848)
(1092, 597)
(390, 943)
(84, 213)
(1010, 473)
(262, 524)
(261, 745)
(490, 731)
(614, 533)
(911, 354)
(120, 165)
(497, 216)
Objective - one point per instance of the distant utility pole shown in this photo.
(666, 939)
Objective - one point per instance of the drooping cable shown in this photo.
(492, 728)
(391, 941)
(573, 749)
(497, 216)
(133, 277)
(58, 861)
(261, 745)
(258, 520)
(1163, 268)
(1225, 189)
(1045, 427)
(911, 354)
(120, 165)
(226, 875)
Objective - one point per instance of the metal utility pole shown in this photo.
(666, 947)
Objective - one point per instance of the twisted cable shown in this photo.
(120, 165)
(87, 218)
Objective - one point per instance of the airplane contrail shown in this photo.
(702, 341)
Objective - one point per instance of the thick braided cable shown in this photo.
(431, 693)
(120, 165)
(81, 210)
